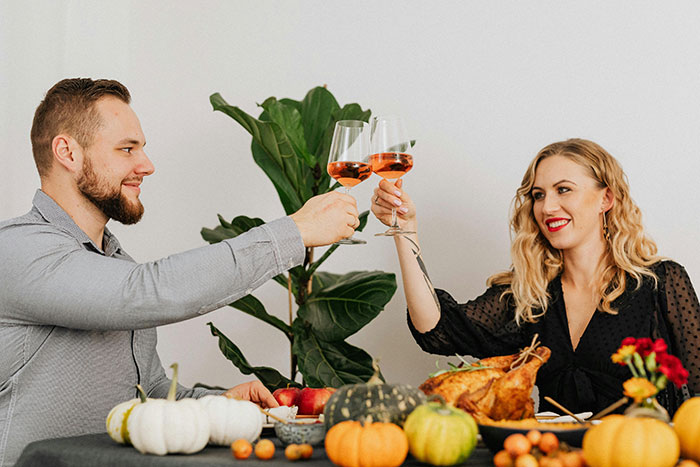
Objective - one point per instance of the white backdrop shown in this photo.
(482, 86)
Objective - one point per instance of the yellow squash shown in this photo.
(621, 441)
(686, 422)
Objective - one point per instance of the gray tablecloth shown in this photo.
(100, 450)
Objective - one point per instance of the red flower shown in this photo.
(644, 345)
(673, 369)
(628, 341)
(659, 347)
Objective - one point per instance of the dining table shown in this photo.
(99, 449)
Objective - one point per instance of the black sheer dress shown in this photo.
(585, 378)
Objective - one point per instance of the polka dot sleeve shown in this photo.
(684, 317)
(482, 327)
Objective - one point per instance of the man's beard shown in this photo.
(109, 200)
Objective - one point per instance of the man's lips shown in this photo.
(134, 186)
(556, 223)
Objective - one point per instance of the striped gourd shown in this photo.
(373, 401)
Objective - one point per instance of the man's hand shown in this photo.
(253, 391)
(327, 218)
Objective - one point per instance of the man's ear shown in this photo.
(608, 200)
(67, 152)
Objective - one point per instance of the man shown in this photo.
(77, 314)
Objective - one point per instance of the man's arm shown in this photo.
(49, 278)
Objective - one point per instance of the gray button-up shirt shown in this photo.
(77, 322)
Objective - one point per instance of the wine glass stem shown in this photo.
(394, 219)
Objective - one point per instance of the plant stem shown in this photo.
(311, 282)
(291, 319)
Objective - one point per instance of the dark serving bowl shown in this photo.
(494, 435)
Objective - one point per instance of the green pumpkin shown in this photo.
(439, 434)
(373, 401)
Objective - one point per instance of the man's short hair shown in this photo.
(69, 107)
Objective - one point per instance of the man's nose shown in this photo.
(145, 166)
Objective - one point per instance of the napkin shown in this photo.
(553, 417)
(283, 412)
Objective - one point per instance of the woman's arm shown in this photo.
(683, 312)
(423, 305)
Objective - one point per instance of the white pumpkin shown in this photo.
(117, 417)
(162, 426)
(231, 419)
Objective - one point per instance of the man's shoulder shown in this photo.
(30, 228)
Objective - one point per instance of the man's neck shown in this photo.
(84, 213)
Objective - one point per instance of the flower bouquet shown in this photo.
(652, 368)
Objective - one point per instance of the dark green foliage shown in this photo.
(290, 143)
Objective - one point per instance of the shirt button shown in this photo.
(291, 263)
(249, 291)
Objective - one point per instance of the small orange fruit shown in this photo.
(502, 459)
(526, 460)
(306, 451)
(241, 448)
(292, 452)
(264, 449)
(517, 444)
(534, 437)
(548, 443)
(571, 459)
(688, 463)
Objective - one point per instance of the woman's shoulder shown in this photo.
(668, 268)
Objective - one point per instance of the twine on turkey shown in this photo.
(527, 352)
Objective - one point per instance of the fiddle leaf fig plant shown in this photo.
(290, 143)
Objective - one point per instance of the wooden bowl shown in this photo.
(494, 435)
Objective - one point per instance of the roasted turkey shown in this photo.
(498, 388)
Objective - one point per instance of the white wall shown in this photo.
(482, 85)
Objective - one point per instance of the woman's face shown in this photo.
(568, 203)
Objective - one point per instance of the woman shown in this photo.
(584, 277)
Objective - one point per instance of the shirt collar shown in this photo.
(54, 214)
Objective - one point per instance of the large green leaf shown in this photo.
(342, 309)
(317, 109)
(329, 364)
(289, 119)
(271, 378)
(272, 151)
(252, 306)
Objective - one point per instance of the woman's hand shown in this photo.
(388, 195)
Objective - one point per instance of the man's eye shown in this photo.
(127, 150)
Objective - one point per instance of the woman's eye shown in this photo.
(537, 195)
(563, 189)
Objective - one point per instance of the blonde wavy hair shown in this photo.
(536, 262)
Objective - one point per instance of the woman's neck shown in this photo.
(583, 267)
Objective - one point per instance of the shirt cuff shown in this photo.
(288, 245)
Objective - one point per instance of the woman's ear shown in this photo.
(67, 152)
(608, 200)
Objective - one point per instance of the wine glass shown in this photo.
(390, 157)
(348, 160)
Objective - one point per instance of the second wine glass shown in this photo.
(348, 160)
(390, 157)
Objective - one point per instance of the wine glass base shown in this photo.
(393, 232)
(350, 241)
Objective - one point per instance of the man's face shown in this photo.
(115, 163)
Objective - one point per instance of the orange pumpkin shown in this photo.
(686, 422)
(352, 444)
(621, 441)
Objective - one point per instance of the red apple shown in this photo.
(312, 401)
(287, 396)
